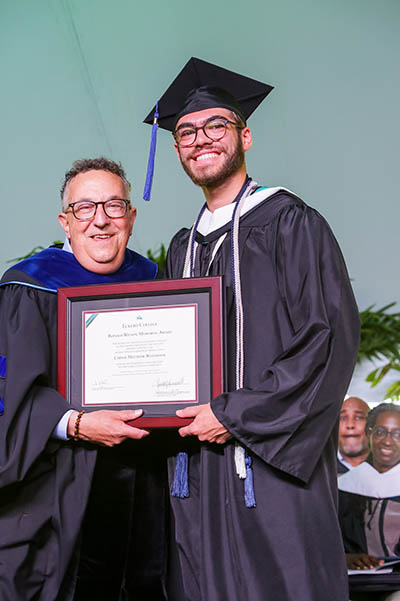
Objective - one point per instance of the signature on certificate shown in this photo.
(171, 386)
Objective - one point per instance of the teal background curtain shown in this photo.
(79, 76)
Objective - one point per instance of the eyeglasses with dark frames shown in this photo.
(214, 129)
(380, 433)
(84, 210)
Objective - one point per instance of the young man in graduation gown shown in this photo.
(258, 517)
(48, 450)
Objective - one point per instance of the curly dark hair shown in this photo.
(382, 408)
(99, 164)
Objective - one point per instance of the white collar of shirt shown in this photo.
(365, 480)
(67, 245)
(210, 222)
(344, 462)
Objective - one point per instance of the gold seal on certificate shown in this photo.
(150, 345)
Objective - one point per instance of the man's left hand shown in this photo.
(205, 425)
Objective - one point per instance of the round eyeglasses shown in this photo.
(214, 128)
(380, 433)
(84, 210)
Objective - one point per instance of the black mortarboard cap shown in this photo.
(201, 85)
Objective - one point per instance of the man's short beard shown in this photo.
(354, 451)
(233, 165)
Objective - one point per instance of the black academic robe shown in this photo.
(44, 482)
(301, 333)
(366, 499)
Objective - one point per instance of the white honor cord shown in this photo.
(194, 245)
(240, 464)
(186, 267)
(215, 250)
(238, 296)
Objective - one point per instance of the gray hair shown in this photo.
(99, 164)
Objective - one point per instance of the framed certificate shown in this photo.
(155, 346)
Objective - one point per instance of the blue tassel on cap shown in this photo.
(180, 485)
(249, 497)
(150, 164)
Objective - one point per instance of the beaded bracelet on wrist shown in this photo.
(77, 424)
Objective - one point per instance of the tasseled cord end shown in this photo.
(150, 164)
(249, 497)
(245, 472)
(180, 485)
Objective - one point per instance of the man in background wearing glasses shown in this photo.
(58, 541)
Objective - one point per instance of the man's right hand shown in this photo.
(107, 428)
(362, 561)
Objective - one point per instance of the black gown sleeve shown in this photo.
(288, 416)
(32, 406)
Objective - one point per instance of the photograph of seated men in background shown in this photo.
(353, 441)
(369, 497)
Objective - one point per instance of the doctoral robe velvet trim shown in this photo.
(56, 268)
(3, 373)
(3, 366)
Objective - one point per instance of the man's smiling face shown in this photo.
(209, 162)
(98, 244)
(384, 441)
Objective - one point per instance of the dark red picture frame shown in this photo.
(73, 301)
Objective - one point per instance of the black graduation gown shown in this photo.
(301, 334)
(45, 483)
